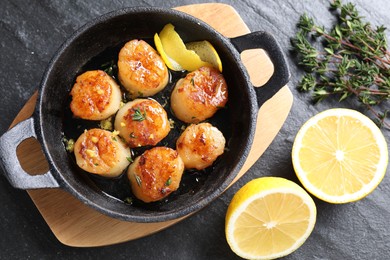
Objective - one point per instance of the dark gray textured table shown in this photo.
(30, 33)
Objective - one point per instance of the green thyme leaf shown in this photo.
(138, 180)
(168, 182)
(138, 115)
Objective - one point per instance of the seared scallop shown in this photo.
(142, 122)
(200, 145)
(199, 95)
(155, 174)
(102, 153)
(141, 70)
(95, 96)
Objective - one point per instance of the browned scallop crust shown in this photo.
(141, 70)
(100, 152)
(200, 145)
(142, 122)
(95, 96)
(155, 174)
(199, 95)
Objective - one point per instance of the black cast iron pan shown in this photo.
(96, 41)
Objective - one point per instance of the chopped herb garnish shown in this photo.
(96, 164)
(109, 67)
(165, 101)
(126, 97)
(129, 159)
(114, 138)
(192, 81)
(128, 200)
(106, 124)
(140, 94)
(138, 180)
(168, 182)
(69, 144)
(171, 123)
(138, 115)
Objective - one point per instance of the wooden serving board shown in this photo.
(76, 224)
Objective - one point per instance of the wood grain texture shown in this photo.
(75, 224)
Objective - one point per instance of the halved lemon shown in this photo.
(175, 50)
(269, 217)
(206, 52)
(340, 155)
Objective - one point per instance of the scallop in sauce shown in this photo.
(101, 152)
(155, 174)
(142, 122)
(141, 70)
(199, 95)
(200, 145)
(95, 96)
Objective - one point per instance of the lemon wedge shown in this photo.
(340, 155)
(173, 50)
(268, 218)
(172, 64)
(206, 52)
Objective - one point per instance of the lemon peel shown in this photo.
(206, 52)
(172, 64)
(173, 50)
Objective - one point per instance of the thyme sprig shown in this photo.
(138, 115)
(350, 60)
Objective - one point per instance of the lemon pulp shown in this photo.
(269, 217)
(340, 155)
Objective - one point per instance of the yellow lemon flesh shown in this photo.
(206, 52)
(269, 217)
(340, 155)
(175, 50)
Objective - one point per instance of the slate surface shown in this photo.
(30, 33)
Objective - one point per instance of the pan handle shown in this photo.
(268, 43)
(9, 161)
